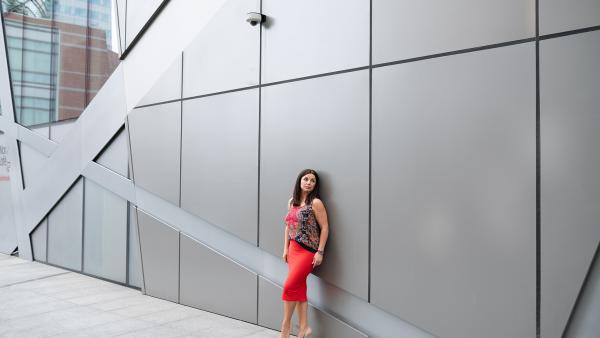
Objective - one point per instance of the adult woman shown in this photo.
(306, 233)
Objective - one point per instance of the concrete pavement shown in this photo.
(38, 300)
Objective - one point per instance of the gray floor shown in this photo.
(37, 300)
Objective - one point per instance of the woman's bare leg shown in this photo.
(302, 308)
(288, 311)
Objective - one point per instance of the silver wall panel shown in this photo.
(58, 130)
(116, 155)
(225, 55)
(570, 133)
(405, 29)
(173, 30)
(331, 137)
(212, 282)
(168, 87)
(270, 306)
(105, 233)
(160, 257)
(563, 15)
(270, 314)
(38, 241)
(138, 13)
(311, 37)
(155, 134)
(219, 172)
(32, 162)
(453, 193)
(135, 262)
(65, 229)
(584, 322)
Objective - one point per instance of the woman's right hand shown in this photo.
(284, 256)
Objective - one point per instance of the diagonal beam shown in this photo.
(88, 135)
(104, 115)
(345, 306)
(36, 141)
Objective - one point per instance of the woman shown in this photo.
(306, 233)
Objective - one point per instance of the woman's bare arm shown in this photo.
(286, 239)
(321, 216)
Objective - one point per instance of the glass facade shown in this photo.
(91, 230)
(60, 53)
(105, 234)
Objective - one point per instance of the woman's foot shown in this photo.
(285, 331)
(305, 332)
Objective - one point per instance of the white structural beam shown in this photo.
(110, 180)
(38, 142)
(163, 42)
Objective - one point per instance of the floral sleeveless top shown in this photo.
(303, 227)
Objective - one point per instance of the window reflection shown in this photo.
(60, 54)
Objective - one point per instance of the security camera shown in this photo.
(256, 18)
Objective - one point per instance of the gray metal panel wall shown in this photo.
(211, 282)
(219, 172)
(270, 314)
(38, 241)
(584, 322)
(58, 130)
(307, 37)
(135, 262)
(138, 13)
(321, 123)
(168, 87)
(570, 134)
(160, 257)
(43, 130)
(405, 29)
(453, 195)
(65, 226)
(32, 162)
(116, 156)
(225, 55)
(155, 134)
(563, 15)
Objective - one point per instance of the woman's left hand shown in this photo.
(317, 259)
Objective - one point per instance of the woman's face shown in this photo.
(308, 182)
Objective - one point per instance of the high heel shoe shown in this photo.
(306, 333)
(285, 333)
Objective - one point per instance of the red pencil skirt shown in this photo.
(299, 262)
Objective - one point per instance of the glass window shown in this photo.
(105, 233)
(63, 48)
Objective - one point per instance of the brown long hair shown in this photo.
(297, 190)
